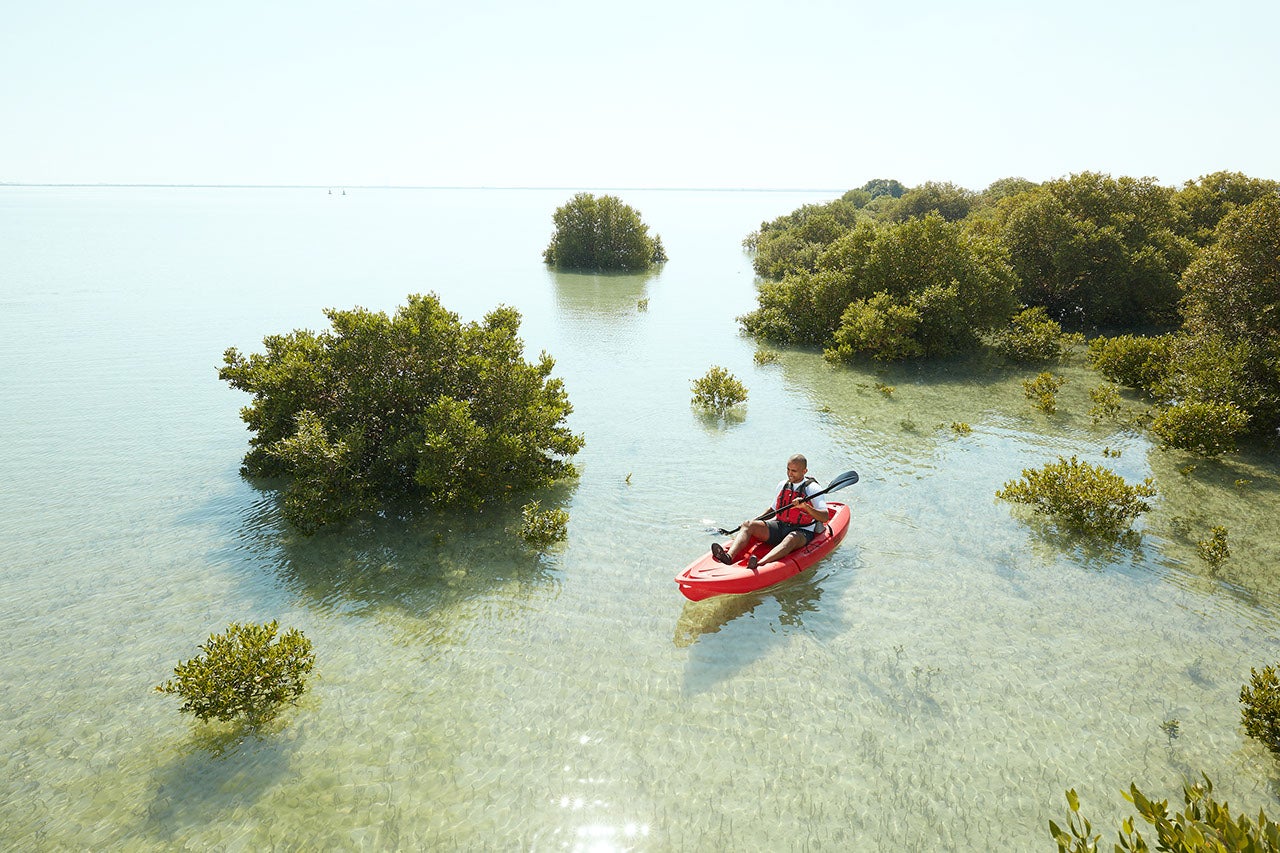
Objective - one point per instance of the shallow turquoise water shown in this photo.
(936, 684)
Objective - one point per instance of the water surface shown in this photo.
(935, 684)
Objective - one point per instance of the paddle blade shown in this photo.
(848, 478)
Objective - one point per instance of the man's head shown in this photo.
(797, 467)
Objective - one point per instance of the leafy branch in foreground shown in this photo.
(1205, 825)
(245, 674)
(1080, 497)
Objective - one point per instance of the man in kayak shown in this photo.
(797, 519)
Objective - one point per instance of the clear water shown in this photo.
(936, 684)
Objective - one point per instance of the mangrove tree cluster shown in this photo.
(602, 234)
(891, 272)
(417, 406)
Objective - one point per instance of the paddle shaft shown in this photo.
(848, 478)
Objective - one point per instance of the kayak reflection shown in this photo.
(794, 597)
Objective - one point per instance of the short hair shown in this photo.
(799, 457)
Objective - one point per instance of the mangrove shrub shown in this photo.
(1042, 391)
(1261, 711)
(417, 406)
(542, 527)
(601, 234)
(1215, 550)
(1136, 361)
(1032, 336)
(1106, 403)
(1204, 426)
(718, 391)
(1081, 498)
(245, 674)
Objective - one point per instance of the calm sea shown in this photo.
(936, 684)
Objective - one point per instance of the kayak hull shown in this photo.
(705, 576)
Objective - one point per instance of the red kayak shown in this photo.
(706, 576)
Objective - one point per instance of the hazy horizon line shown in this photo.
(106, 184)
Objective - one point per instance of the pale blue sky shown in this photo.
(668, 93)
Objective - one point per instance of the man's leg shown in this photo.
(750, 532)
(793, 541)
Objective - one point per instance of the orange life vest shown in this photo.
(793, 515)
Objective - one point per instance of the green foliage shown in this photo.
(244, 674)
(792, 243)
(1209, 198)
(923, 287)
(879, 327)
(601, 234)
(961, 428)
(1261, 711)
(1210, 369)
(1232, 311)
(765, 356)
(1080, 497)
(1203, 826)
(1043, 391)
(1208, 428)
(1005, 188)
(542, 527)
(418, 406)
(884, 389)
(858, 197)
(1233, 287)
(949, 201)
(1133, 360)
(1215, 551)
(1098, 251)
(1032, 336)
(718, 391)
(878, 187)
(1106, 403)
(1081, 838)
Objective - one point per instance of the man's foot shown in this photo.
(718, 551)
(752, 562)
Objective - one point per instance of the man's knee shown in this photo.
(795, 540)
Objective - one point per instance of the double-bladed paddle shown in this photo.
(848, 478)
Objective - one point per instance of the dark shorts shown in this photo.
(778, 531)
